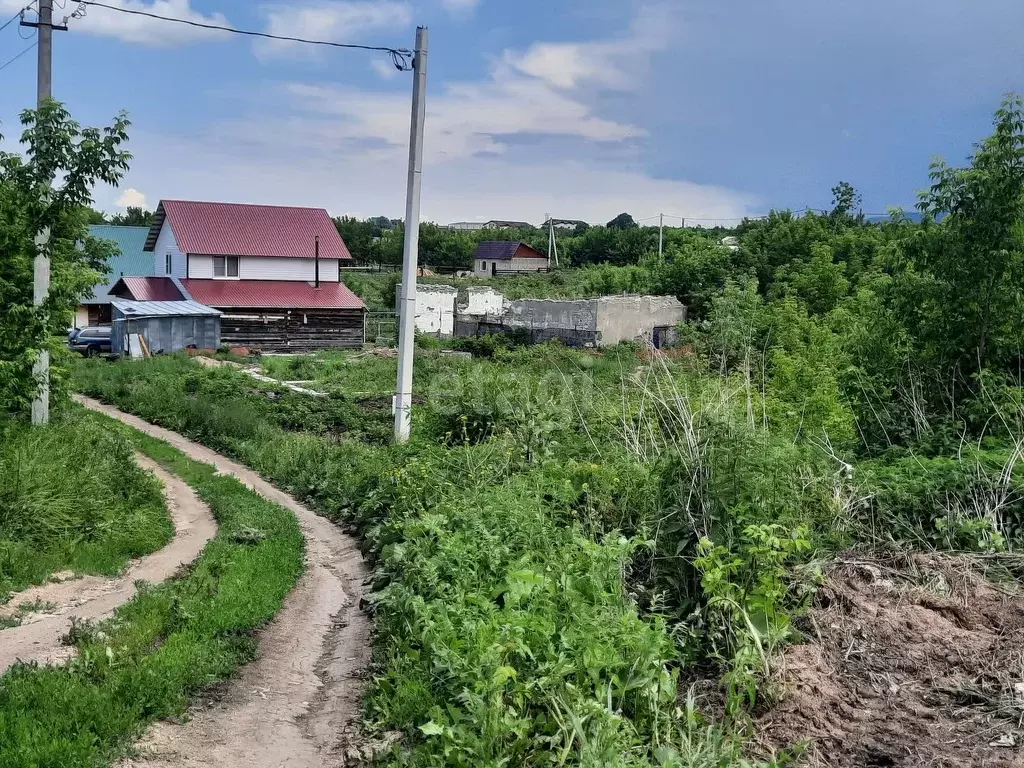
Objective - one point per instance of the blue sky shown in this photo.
(708, 109)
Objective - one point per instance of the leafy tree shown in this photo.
(844, 199)
(445, 247)
(973, 307)
(693, 272)
(133, 217)
(622, 221)
(55, 147)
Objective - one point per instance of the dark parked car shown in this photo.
(90, 341)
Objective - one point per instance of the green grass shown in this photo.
(506, 634)
(168, 643)
(73, 498)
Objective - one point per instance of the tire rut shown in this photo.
(299, 704)
(93, 598)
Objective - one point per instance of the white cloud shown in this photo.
(142, 30)
(617, 63)
(367, 184)
(466, 119)
(347, 148)
(385, 68)
(341, 21)
(536, 93)
(460, 7)
(131, 198)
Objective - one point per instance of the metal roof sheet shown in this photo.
(506, 250)
(131, 260)
(162, 308)
(236, 229)
(150, 288)
(271, 294)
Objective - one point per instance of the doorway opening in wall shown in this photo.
(494, 268)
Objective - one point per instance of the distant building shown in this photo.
(599, 322)
(501, 224)
(260, 266)
(476, 226)
(494, 257)
(564, 223)
(131, 259)
(165, 326)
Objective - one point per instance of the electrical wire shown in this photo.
(16, 57)
(20, 14)
(401, 57)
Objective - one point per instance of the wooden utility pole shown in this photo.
(41, 266)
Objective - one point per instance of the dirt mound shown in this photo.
(914, 660)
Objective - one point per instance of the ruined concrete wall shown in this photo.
(574, 322)
(435, 308)
(552, 313)
(629, 318)
(483, 300)
(585, 322)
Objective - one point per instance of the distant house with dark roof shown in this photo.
(272, 271)
(130, 259)
(494, 257)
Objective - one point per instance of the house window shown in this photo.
(483, 265)
(167, 263)
(225, 266)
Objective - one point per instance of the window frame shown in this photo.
(224, 262)
(168, 263)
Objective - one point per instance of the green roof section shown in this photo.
(133, 260)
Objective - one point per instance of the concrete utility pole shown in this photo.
(661, 233)
(41, 267)
(551, 236)
(407, 307)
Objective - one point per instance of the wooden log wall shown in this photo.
(292, 330)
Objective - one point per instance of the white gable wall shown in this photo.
(165, 244)
(256, 268)
(267, 268)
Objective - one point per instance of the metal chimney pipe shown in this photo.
(316, 263)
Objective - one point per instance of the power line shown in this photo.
(18, 15)
(17, 56)
(400, 56)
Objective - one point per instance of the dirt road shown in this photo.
(300, 702)
(38, 638)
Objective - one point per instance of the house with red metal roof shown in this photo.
(497, 257)
(272, 271)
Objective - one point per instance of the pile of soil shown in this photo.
(908, 660)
